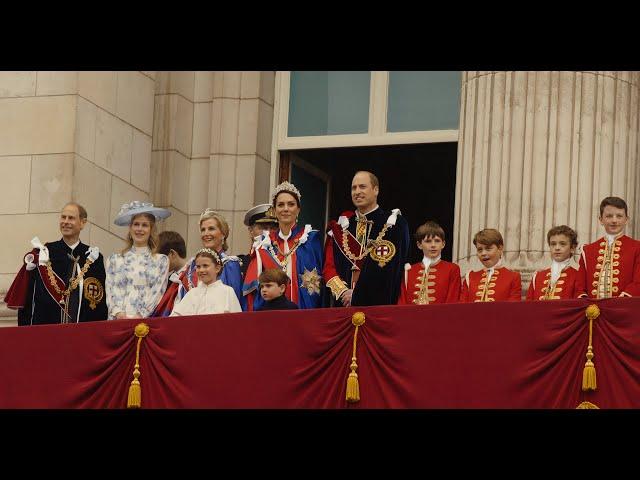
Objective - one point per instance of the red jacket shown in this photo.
(440, 285)
(564, 288)
(625, 269)
(504, 285)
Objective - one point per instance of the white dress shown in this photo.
(205, 299)
(135, 282)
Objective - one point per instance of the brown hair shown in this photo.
(170, 240)
(153, 237)
(488, 237)
(222, 225)
(207, 252)
(273, 275)
(372, 177)
(82, 213)
(614, 202)
(275, 199)
(564, 230)
(427, 230)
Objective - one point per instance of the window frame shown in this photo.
(377, 132)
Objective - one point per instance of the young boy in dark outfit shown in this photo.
(273, 283)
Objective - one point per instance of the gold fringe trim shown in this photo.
(589, 373)
(587, 406)
(353, 387)
(135, 393)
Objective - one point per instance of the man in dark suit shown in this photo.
(63, 281)
(366, 249)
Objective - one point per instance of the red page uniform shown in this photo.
(544, 287)
(501, 285)
(439, 282)
(610, 270)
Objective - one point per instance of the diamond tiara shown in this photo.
(287, 187)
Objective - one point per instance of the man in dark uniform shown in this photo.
(366, 249)
(258, 219)
(63, 281)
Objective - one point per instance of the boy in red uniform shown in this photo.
(610, 266)
(432, 280)
(494, 283)
(559, 280)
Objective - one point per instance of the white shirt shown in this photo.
(358, 214)
(428, 261)
(557, 267)
(207, 299)
(72, 247)
(611, 238)
(286, 250)
(490, 270)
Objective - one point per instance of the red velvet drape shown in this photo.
(494, 355)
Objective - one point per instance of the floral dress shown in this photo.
(135, 282)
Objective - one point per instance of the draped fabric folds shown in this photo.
(493, 355)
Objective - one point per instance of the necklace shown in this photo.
(285, 256)
(74, 282)
(347, 250)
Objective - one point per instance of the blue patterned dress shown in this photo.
(135, 282)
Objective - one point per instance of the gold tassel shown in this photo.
(353, 386)
(135, 392)
(589, 372)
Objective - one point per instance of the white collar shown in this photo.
(283, 236)
(140, 250)
(72, 247)
(557, 267)
(490, 270)
(427, 262)
(358, 214)
(610, 238)
(202, 286)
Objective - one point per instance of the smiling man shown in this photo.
(63, 281)
(366, 249)
(610, 266)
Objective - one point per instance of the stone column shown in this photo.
(212, 144)
(240, 148)
(112, 154)
(211, 148)
(540, 149)
(37, 123)
(81, 136)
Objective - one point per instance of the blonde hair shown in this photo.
(222, 224)
(153, 241)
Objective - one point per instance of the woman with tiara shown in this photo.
(294, 249)
(214, 231)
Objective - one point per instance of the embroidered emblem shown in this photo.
(383, 252)
(310, 281)
(93, 291)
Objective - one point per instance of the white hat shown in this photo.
(257, 213)
(130, 210)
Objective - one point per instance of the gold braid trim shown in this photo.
(587, 406)
(589, 372)
(337, 286)
(74, 282)
(285, 256)
(135, 393)
(353, 387)
(347, 250)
